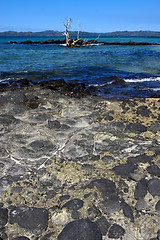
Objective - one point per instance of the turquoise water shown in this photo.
(96, 66)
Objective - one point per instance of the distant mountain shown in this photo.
(50, 33)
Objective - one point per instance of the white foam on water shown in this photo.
(155, 79)
(153, 89)
(63, 44)
(99, 85)
(5, 80)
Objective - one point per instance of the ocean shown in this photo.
(98, 66)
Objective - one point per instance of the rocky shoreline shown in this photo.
(75, 166)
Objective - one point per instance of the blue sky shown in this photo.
(94, 15)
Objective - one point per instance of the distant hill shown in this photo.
(50, 33)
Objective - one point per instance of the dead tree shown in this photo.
(67, 26)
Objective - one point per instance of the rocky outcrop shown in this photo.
(82, 43)
(77, 168)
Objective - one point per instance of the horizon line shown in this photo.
(77, 30)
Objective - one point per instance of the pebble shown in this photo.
(73, 204)
(80, 230)
(3, 216)
(116, 231)
(154, 170)
(154, 187)
(32, 219)
(124, 170)
(137, 176)
(111, 205)
(141, 189)
(106, 187)
(103, 225)
(127, 210)
(141, 205)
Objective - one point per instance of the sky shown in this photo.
(93, 15)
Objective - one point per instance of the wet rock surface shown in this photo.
(73, 167)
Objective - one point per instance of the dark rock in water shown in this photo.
(154, 170)
(58, 84)
(32, 219)
(13, 42)
(3, 216)
(103, 225)
(118, 81)
(143, 111)
(106, 187)
(20, 238)
(73, 204)
(154, 187)
(50, 41)
(58, 41)
(127, 210)
(116, 231)
(111, 205)
(140, 158)
(141, 189)
(27, 42)
(124, 170)
(136, 128)
(157, 207)
(80, 230)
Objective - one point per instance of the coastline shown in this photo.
(70, 158)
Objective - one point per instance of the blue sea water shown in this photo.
(96, 65)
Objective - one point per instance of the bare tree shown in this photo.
(67, 26)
